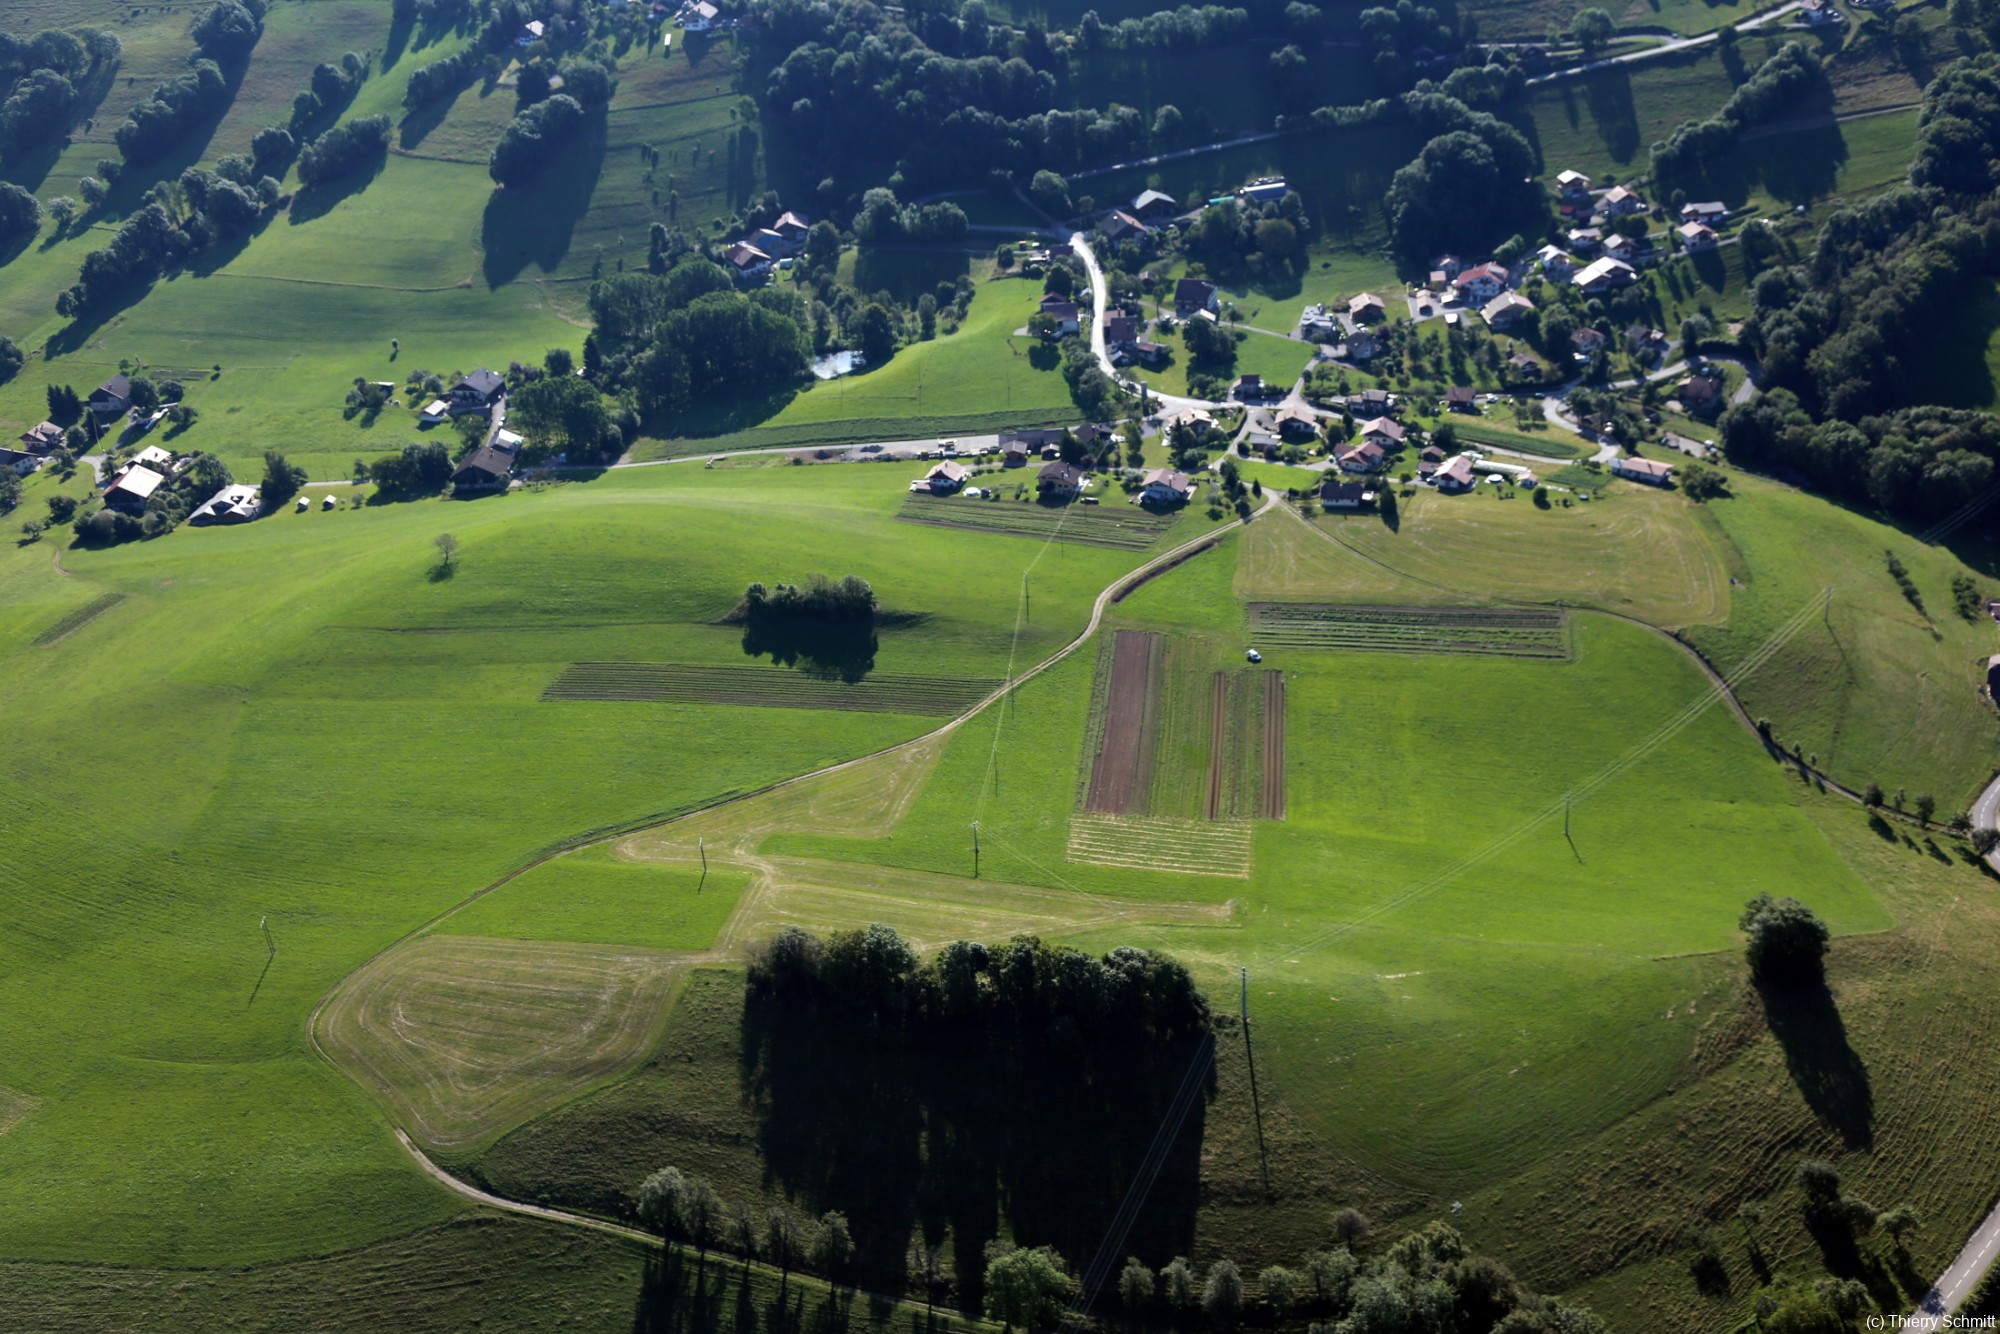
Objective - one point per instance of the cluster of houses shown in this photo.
(481, 393)
(36, 447)
(752, 256)
(1060, 479)
(1149, 210)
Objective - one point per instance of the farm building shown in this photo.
(1366, 308)
(488, 467)
(1164, 486)
(133, 486)
(1383, 431)
(1461, 398)
(42, 440)
(1697, 236)
(1476, 286)
(1153, 206)
(1247, 387)
(476, 392)
(1194, 297)
(232, 504)
(1620, 202)
(746, 261)
(947, 476)
(1059, 481)
(1505, 311)
(1643, 470)
(1710, 212)
(112, 398)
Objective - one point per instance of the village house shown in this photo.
(1479, 285)
(1621, 247)
(1455, 475)
(1573, 186)
(1524, 366)
(488, 467)
(1709, 211)
(1164, 486)
(947, 476)
(1366, 308)
(476, 392)
(1555, 262)
(232, 504)
(1622, 203)
(1321, 325)
(1338, 495)
(42, 440)
(1372, 403)
(531, 32)
(1296, 422)
(131, 487)
(152, 456)
(1505, 311)
(1461, 398)
(1604, 275)
(1696, 236)
(1248, 388)
(1014, 453)
(1585, 241)
(1059, 481)
(1150, 206)
(19, 461)
(113, 398)
(1383, 431)
(1121, 226)
(1194, 297)
(746, 261)
(792, 229)
(1448, 265)
(1643, 470)
(698, 16)
(1429, 461)
(1645, 342)
(1064, 312)
(1368, 456)
(1700, 395)
(1120, 331)
(1585, 342)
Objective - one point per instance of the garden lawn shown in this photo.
(1279, 360)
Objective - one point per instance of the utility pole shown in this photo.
(975, 849)
(701, 844)
(270, 945)
(1250, 1059)
(1826, 608)
(1565, 815)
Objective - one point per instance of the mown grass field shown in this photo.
(164, 1053)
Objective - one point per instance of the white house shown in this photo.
(1620, 202)
(232, 504)
(1506, 310)
(1604, 275)
(1479, 285)
(1643, 470)
(1709, 211)
(947, 476)
(1164, 486)
(698, 16)
(1696, 236)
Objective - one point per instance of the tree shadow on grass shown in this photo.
(320, 200)
(1608, 96)
(1829, 1073)
(534, 223)
(835, 651)
(679, 1294)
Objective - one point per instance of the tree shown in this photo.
(64, 210)
(560, 414)
(875, 331)
(92, 190)
(927, 1263)
(20, 216)
(1332, 1273)
(1899, 1223)
(1050, 193)
(1222, 1294)
(1281, 1290)
(559, 361)
(282, 479)
(1277, 238)
(447, 548)
(1592, 29)
(1135, 1285)
(784, 1241)
(704, 1206)
(1026, 1287)
(1926, 806)
(1787, 943)
(1350, 1226)
(1984, 840)
(1177, 1281)
(832, 1244)
(663, 1196)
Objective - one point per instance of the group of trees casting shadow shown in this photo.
(824, 627)
(926, 1096)
(1787, 950)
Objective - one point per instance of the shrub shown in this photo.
(1787, 941)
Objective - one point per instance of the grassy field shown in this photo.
(1881, 693)
(145, 1013)
(1279, 360)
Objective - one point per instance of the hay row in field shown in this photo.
(1119, 527)
(1121, 773)
(767, 687)
(77, 619)
(1147, 843)
(1516, 632)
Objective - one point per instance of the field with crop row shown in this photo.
(767, 687)
(1147, 843)
(1121, 774)
(1123, 527)
(1509, 632)
(77, 619)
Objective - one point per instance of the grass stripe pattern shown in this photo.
(77, 619)
(1512, 632)
(1150, 843)
(1120, 527)
(767, 687)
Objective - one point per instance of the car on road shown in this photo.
(950, 448)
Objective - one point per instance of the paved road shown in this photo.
(1100, 303)
(1663, 49)
(1972, 1262)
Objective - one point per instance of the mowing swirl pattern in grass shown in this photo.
(77, 619)
(767, 687)
(1512, 632)
(1120, 527)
